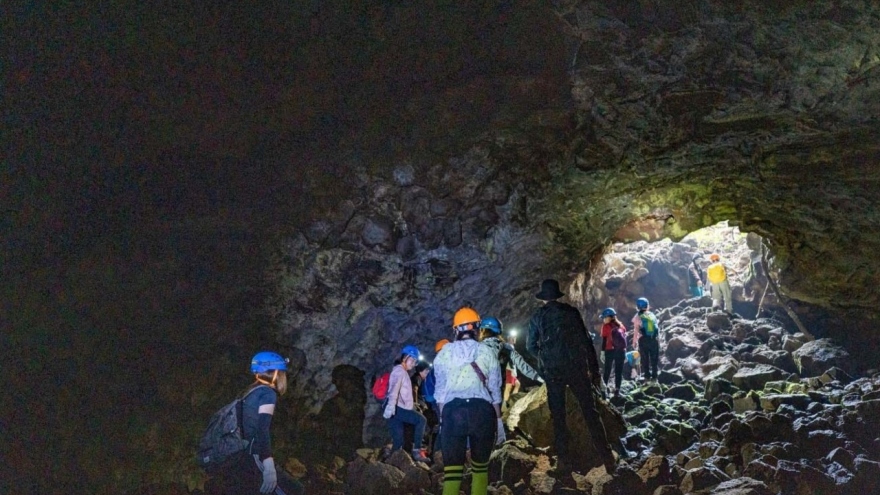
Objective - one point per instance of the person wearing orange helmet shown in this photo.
(719, 284)
(468, 393)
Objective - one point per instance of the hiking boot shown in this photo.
(419, 455)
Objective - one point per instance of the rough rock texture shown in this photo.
(532, 415)
(689, 114)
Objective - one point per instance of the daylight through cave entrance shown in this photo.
(675, 278)
(659, 270)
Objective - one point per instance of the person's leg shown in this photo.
(454, 441)
(716, 296)
(619, 358)
(643, 354)
(482, 437)
(418, 421)
(395, 426)
(609, 360)
(582, 390)
(725, 292)
(655, 358)
(556, 403)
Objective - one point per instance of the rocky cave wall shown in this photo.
(682, 114)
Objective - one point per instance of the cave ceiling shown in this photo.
(675, 116)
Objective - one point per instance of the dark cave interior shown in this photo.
(187, 186)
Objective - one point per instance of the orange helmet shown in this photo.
(714, 257)
(465, 319)
(439, 345)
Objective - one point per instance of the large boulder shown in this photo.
(814, 358)
(701, 478)
(754, 376)
(682, 346)
(532, 415)
(372, 478)
(510, 464)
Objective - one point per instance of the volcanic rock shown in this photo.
(754, 376)
(814, 358)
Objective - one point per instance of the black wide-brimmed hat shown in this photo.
(549, 290)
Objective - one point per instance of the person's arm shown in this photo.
(522, 365)
(592, 359)
(394, 385)
(494, 378)
(440, 381)
(637, 331)
(262, 445)
(532, 343)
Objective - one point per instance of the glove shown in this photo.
(541, 380)
(388, 413)
(270, 476)
(500, 435)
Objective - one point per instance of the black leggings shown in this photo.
(649, 348)
(467, 420)
(616, 357)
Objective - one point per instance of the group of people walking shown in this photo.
(468, 374)
(472, 377)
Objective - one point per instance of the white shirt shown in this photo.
(456, 378)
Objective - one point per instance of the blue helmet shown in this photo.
(411, 351)
(268, 361)
(608, 312)
(642, 303)
(491, 324)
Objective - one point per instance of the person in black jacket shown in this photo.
(567, 358)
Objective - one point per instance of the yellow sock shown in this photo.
(452, 479)
(479, 478)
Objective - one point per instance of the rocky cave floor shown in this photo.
(740, 407)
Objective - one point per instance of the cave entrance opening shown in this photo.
(658, 271)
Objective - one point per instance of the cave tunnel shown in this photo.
(334, 181)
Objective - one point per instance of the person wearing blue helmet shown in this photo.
(400, 404)
(257, 469)
(646, 338)
(510, 361)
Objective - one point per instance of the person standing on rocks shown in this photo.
(560, 341)
(646, 336)
(719, 284)
(695, 278)
(509, 360)
(468, 392)
(614, 345)
(400, 406)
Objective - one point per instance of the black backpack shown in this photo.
(223, 442)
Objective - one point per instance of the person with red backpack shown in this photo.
(614, 344)
(399, 406)
(646, 338)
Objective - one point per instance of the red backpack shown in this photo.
(380, 386)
